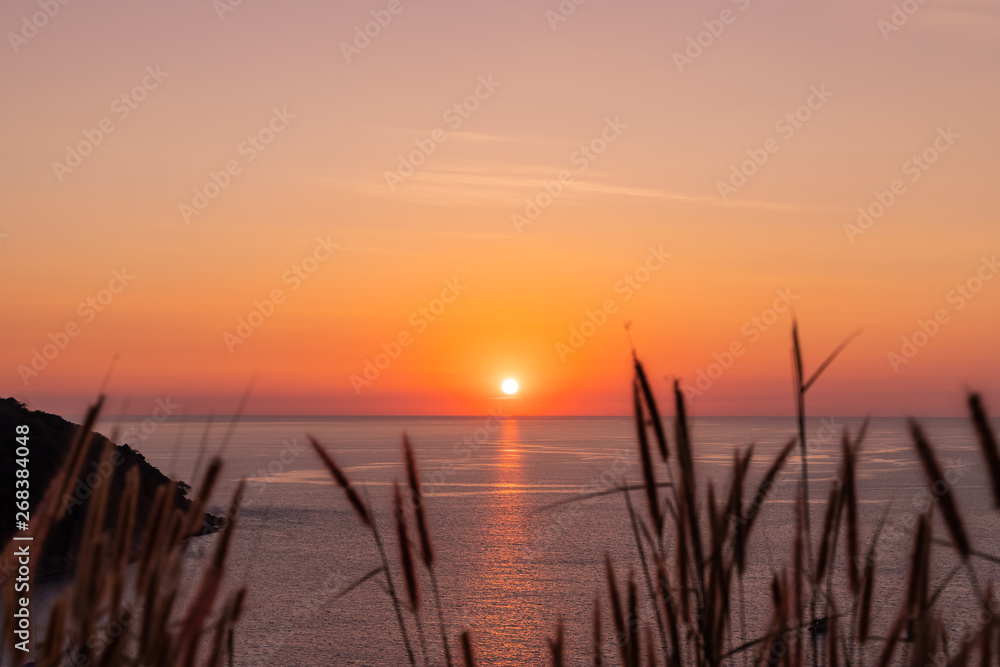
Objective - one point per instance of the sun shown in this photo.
(509, 386)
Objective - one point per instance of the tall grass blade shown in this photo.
(987, 442)
(762, 490)
(417, 496)
(829, 528)
(800, 413)
(648, 475)
(77, 453)
(196, 514)
(829, 360)
(342, 482)
(598, 494)
(833, 637)
(688, 495)
(654, 412)
(617, 613)
(865, 610)
(650, 651)
(916, 596)
(467, 653)
(946, 500)
(850, 500)
(405, 552)
(556, 645)
(632, 621)
(596, 647)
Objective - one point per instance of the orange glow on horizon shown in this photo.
(261, 209)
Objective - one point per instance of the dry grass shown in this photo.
(692, 549)
(156, 631)
(987, 442)
(684, 606)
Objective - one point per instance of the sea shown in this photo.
(522, 512)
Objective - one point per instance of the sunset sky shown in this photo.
(616, 111)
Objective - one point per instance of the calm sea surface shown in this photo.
(508, 568)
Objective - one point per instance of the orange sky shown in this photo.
(494, 106)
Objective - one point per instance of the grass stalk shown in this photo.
(643, 562)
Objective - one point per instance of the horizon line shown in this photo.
(221, 418)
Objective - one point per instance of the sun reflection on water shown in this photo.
(506, 625)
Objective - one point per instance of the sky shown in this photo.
(390, 206)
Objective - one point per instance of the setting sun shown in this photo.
(293, 249)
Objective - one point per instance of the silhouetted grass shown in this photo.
(691, 548)
(156, 630)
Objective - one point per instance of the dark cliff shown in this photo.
(49, 439)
